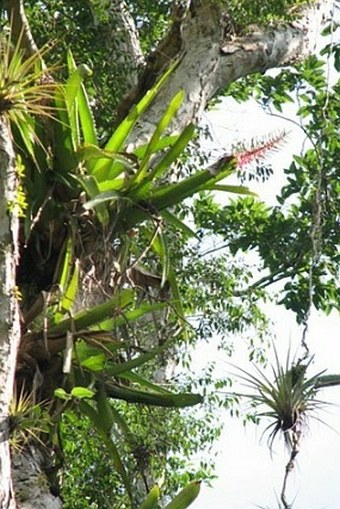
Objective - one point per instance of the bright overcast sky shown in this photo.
(247, 476)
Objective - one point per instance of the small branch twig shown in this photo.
(290, 466)
(20, 27)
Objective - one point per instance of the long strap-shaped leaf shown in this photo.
(185, 497)
(129, 316)
(171, 194)
(120, 135)
(76, 95)
(327, 381)
(65, 156)
(138, 361)
(143, 382)
(148, 398)
(142, 191)
(178, 224)
(167, 117)
(92, 316)
(152, 498)
(102, 428)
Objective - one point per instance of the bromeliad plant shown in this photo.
(128, 187)
(25, 89)
(29, 420)
(92, 196)
(83, 198)
(288, 400)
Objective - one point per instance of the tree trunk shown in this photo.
(30, 484)
(9, 311)
(30, 488)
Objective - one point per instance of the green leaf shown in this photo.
(27, 132)
(90, 185)
(130, 316)
(121, 133)
(94, 315)
(148, 398)
(170, 195)
(142, 191)
(178, 224)
(161, 249)
(88, 410)
(231, 189)
(107, 196)
(185, 497)
(86, 118)
(163, 143)
(70, 294)
(143, 382)
(72, 91)
(112, 185)
(176, 150)
(66, 267)
(104, 409)
(138, 361)
(82, 392)
(85, 351)
(327, 380)
(152, 498)
(90, 151)
(95, 362)
(61, 394)
(65, 156)
(160, 128)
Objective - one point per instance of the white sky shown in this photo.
(247, 476)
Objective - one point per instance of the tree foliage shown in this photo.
(114, 275)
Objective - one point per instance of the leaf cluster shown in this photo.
(78, 186)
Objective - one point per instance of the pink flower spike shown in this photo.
(260, 151)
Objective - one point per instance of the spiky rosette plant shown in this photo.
(28, 420)
(26, 86)
(288, 400)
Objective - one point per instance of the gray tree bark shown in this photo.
(9, 310)
(23, 482)
(122, 42)
(30, 484)
(210, 59)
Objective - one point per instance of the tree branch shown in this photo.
(123, 41)
(210, 60)
(20, 28)
(263, 282)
